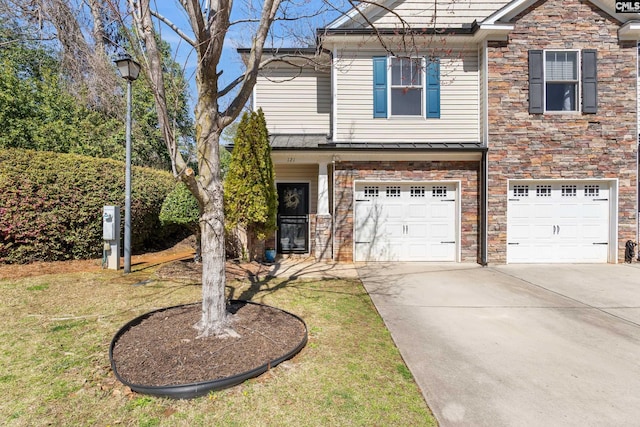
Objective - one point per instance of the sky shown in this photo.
(231, 64)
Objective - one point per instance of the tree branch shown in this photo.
(174, 27)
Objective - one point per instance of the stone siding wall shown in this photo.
(465, 172)
(559, 145)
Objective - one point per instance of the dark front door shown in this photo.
(293, 217)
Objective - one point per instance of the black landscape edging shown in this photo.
(188, 391)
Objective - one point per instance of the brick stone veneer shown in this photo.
(561, 146)
(465, 172)
(322, 237)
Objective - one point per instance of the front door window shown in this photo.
(293, 217)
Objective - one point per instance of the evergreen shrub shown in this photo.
(51, 204)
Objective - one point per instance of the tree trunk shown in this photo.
(214, 319)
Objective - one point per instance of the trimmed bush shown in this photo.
(51, 204)
(180, 208)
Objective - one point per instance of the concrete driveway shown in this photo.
(517, 345)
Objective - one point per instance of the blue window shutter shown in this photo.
(536, 82)
(589, 81)
(379, 86)
(433, 88)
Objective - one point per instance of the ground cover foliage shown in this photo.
(57, 330)
(51, 204)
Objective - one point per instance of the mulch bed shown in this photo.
(163, 349)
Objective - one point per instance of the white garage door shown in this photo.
(555, 222)
(405, 222)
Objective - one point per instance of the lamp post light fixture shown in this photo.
(129, 70)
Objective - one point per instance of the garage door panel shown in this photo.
(440, 211)
(412, 221)
(558, 221)
(568, 231)
(541, 231)
(418, 230)
(394, 211)
(545, 210)
(393, 230)
(519, 210)
(367, 217)
(417, 212)
(519, 231)
(594, 210)
(569, 211)
(442, 251)
(440, 231)
(594, 233)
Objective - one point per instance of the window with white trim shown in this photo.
(407, 86)
(562, 80)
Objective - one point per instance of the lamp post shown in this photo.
(129, 70)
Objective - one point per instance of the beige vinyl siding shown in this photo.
(301, 173)
(420, 13)
(459, 103)
(294, 101)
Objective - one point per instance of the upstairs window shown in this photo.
(561, 80)
(406, 86)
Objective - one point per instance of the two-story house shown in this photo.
(459, 130)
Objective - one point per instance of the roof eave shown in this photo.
(629, 31)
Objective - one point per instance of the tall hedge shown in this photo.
(51, 204)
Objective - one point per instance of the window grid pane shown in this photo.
(393, 191)
(407, 91)
(439, 191)
(418, 191)
(543, 190)
(561, 80)
(591, 190)
(371, 191)
(520, 191)
(561, 66)
(406, 72)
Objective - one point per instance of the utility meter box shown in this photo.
(111, 223)
(111, 237)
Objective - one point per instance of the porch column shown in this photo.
(323, 218)
(323, 189)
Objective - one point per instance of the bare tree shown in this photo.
(217, 104)
(209, 25)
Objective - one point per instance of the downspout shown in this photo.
(484, 167)
(637, 178)
(484, 207)
(334, 96)
(333, 208)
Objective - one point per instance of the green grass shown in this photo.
(57, 329)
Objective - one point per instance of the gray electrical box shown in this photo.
(111, 237)
(110, 220)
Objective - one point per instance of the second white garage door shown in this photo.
(405, 222)
(558, 221)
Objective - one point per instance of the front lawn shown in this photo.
(56, 331)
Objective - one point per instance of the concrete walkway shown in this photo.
(517, 345)
(292, 268)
